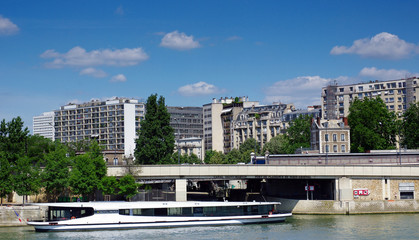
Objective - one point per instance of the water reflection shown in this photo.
(392, 226)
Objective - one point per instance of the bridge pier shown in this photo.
(181, 190)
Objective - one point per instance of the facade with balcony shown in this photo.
(43, 125)
(396, 94)
(113, 123)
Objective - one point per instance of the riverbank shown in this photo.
(13, 215)
(330, 207)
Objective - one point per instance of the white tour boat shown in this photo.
(127, 215)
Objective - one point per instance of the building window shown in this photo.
(343, 149)
(326, 137)
(335, 148)
(115, 161)
(342, 137)
(335, 137)
(361, 88)
(327, 148)
(407, 190)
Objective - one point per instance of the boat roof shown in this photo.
(132, 205)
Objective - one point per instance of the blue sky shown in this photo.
(55, 52)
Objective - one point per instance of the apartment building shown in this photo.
(114, 123)
(43, 125)
(186, 121)
(397, 95)
(264, 122)
(218, 116)
(187, 146)
(330, 136)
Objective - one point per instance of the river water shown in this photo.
(383, 226)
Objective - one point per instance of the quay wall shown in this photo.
(325, 207)
(8, 215)
(331, 207)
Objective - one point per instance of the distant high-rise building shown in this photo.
(43, 125)
(396, 94)
(113, 123)
(187, 121)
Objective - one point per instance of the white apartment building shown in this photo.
(43, 125)
(260, 122)
(114, 123)
(214, 129)
(397, 95)
(187, 146)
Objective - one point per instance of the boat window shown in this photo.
(198, 211)
(66, 213)
(160, 212)
(124, 211)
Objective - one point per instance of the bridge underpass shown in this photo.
(329, 182)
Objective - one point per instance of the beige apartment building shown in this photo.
(397, 95)
(218, 117)
(330, 136)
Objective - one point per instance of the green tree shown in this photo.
(6, 181)
(373, 126)
(250, 144)
(298, 133)
(208, 155)
(83, 179)
(26, 178)
(155, 142)
(13, 139)
(410, 127)
(37, 147)
(55, 175)
(233, 157)
(128, 187)
(277, 145)
(217, 158)
(96, 156)
(108, 185)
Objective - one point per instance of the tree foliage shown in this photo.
(26, 177)
(298, 133)
(277, 145)
(108, 185)
(250, 144)
(155, 142)
(373, 126)
(410, 127)
(55, 175)
(82, 179)
(6, 182)
(127, 186)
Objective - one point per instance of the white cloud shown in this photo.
(119, 11)
(234, 38)
(79, 57)
(118, 78)
(385, 74)
(199, 88)
(179, 41)
(301, 91)
(97, 73)
(383, 45)
(7, 27)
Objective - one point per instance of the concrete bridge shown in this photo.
(383, 180)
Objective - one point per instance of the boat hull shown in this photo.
(74, 225)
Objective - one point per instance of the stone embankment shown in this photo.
(10, 214)
(348, 207)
